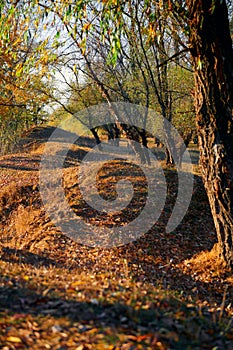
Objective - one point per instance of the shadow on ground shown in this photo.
(148, 321)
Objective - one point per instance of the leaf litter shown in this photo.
(162, 291)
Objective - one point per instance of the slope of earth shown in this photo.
(162, 291)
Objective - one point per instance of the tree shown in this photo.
(23, 64)
(207, 26)
(210, 46)
(141, 73)
(212, 54)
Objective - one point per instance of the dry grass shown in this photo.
(207, 264)
(23, 220)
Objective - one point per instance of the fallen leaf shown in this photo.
(14, 339)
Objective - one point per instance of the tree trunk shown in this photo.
(212, 54)
(145, 145)
(97, 139)
(113, 133)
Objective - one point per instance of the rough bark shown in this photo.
(212, 54)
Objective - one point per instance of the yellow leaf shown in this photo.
(80, 347)
(86, 26)
(16, 41)
(76, 284)
(92, 331)
(14, 339)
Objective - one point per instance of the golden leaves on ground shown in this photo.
(149, 294)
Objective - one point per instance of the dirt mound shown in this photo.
(38, 135)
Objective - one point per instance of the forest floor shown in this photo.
(162, 291)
